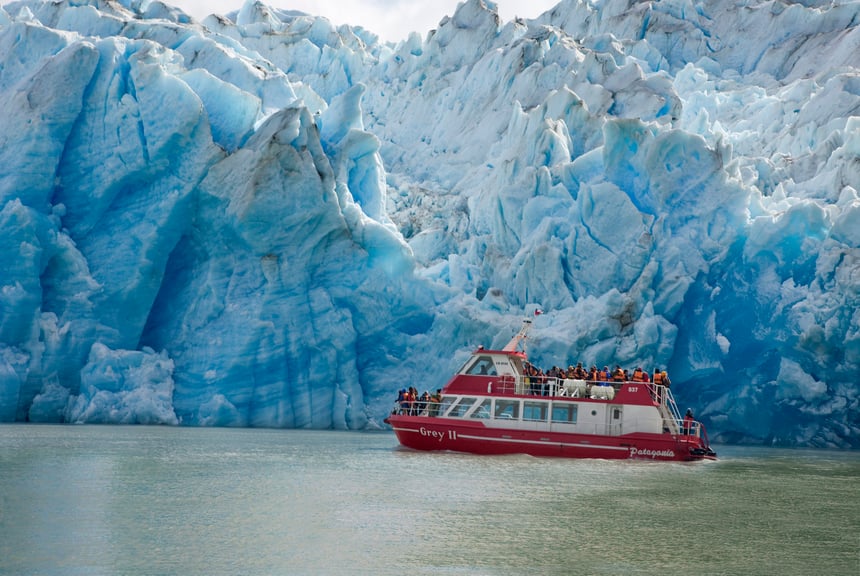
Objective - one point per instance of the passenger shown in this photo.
(424, 402)
(604, 374)
(688, 421)
(558, 385)
(539, 381)
(593, 374)
(658, 377)
(639, 375)
(402, 402)
(435, 403)
(531, 379)
(527, 381)
(411, 400)
(618, 374)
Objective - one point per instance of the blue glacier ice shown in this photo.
(262, 219)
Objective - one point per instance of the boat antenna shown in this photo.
(519, 337)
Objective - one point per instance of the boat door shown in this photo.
(615, 415)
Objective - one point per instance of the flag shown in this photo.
(538, 312)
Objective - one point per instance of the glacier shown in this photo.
(262, 219)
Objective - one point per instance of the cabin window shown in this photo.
(460, 407)
(483, 366)
(564, 412)
(447, 401)
(507, 409)
(535, 411)
(484, 409)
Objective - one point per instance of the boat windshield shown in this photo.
(482, 366)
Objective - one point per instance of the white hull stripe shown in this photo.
(518, 441)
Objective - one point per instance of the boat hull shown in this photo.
(458, 435)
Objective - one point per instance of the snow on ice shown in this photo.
(261, 219)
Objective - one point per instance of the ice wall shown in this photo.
(265, 220)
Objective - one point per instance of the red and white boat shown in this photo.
(491, 407)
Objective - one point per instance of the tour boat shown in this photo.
(490, 406)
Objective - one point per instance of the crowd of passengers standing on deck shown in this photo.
(411, 404)
(538, 379)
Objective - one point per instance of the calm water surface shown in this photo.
(90, 500)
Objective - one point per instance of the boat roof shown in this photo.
(480, 350)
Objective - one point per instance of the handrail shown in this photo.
(670, 401)
(550, 386)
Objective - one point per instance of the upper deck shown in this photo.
(501, 373)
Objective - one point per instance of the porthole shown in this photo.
(594, 412)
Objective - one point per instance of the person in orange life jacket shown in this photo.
(411, 398)
(435, 403)
(604, 374)
(688, 421)
(618, 374)
(639, 375)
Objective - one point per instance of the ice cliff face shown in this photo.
(263, 220)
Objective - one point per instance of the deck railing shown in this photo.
(550, 386)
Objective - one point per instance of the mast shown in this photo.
(519, 337)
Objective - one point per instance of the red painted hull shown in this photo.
(472, 436)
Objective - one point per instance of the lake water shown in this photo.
(91, 500)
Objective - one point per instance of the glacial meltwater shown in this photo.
(108, 500)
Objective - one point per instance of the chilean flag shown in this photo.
(538, 312)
